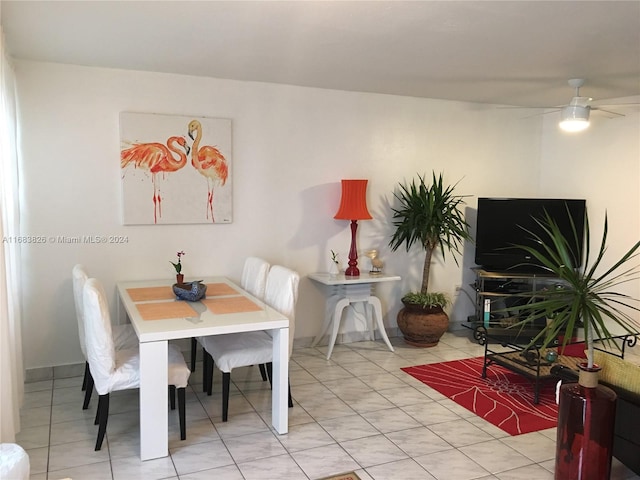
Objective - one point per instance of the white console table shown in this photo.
(344, 291)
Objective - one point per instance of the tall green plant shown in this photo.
(586, 297)
(430, 215)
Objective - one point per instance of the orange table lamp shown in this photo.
(353, 206)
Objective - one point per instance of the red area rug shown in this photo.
(503, 398)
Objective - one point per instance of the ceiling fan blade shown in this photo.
(528, 108)
(609, 112)
(542, 113)
(631, 104)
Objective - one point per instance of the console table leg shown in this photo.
(371, 322)
(328, 316)
(377, 308)
(337, 318)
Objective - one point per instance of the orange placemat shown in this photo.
(231, 305)
(218, 289)
(150, 293)
(164, 310)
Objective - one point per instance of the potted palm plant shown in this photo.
(586, 298)
(430, 215)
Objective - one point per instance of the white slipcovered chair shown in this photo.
(243, 349)
(113, 370)
(14, 462)
(124, 336)
(254, 281)
(254, 276)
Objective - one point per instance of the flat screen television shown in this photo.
(505, 222)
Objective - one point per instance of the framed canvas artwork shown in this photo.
(175, 169)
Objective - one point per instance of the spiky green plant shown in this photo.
(432, 216)
(585, 297)
(178, 265)
(427, 300)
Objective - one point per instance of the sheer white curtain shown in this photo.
(11, 366)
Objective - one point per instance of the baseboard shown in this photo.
(77, 369)
(456, 327)
(345, 338)
(51, 373)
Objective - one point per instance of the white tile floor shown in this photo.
(358, 412)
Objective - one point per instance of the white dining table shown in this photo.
(140, 297)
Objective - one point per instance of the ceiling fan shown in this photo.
(574, 117)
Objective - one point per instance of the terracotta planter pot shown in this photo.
(422, 326)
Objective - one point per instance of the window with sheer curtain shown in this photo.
(11, 366)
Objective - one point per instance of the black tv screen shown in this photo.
(505, 222)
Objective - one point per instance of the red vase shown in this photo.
(586, 420)
(179, 278)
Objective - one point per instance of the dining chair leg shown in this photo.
(205, 367)
(226, 381)
(86, 375)
(103, 410)
(209, 373)
(88, 391)
(263, 372)
(172, 396)
(270, 373)
(182, 413)
(97, 419)
(194, 349)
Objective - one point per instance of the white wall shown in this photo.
(601, 164)
(291, 147)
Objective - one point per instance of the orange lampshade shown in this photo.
(353, 204)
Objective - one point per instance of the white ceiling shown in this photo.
(503, 52)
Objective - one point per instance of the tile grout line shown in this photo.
(53, 386)
(372, 358)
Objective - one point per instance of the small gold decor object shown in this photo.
(376, 263)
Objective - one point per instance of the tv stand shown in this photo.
(496, 293)
(527, 269)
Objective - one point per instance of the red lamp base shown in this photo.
(352, 269)
(352, 272)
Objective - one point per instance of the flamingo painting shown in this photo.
(156, 158)
(149, 163)
(209, 162)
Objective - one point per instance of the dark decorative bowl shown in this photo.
(190, 291)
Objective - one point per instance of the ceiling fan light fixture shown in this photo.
(575, 118)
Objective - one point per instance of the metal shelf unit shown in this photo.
(496, 294)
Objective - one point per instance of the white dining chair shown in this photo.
(114, 370)
(124, 336)
(254, 276)
(249, 348)
(14, 462)
(254, 281)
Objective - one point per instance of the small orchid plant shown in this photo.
(334, 257)
(178, 265)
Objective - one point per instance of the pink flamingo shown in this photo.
(156, 158)
(209, 162)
